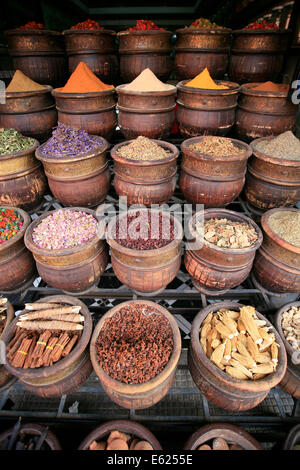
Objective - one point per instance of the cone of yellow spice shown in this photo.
(203, 80)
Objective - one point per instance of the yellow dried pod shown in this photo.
(274, 352)
(236, 373)
(241, 367)
(248, 320)
(203, 344)
(241, 327)
(263, 358)
(227, 350)
(258, 376)
(215, 343)
(263, 368)
(205, 330)
(224, 331)
(252, 347)
(245, 361)
(207, 319)
(243, 350)
(218, 354)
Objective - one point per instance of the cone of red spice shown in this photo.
(10, 223)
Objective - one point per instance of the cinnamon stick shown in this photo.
(12, 350)
(41, 344)
(59, 347)
(20, 356)
(70, 345)
(49, 348)
(30, 351)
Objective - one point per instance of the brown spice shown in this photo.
(20, 82)
(216, 147)
(228, 233)
(286, 224)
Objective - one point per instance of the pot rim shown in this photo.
(26, 94)
(10, 312)
(65, 362)
(36, 429)
(217, 430)
(22, 153)
(21, 233)
(240, 217)
(92, 94)
(245, 155)
(143, 253)
(278, 320)
(249, 89)
(133, 389)
(152, 32)
(201, 31)
(28, 32)
(268, 230)
(145, 163)
(233, 88)
(123, 425)
(92, 154)
(269, 158)
(94, 32)
(35, 249)
(121, 89)
(261, 31)
(260, 385)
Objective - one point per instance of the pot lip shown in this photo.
(26, 222)
(10, 312)
(159, 378)
(22, 153)
(94, 32)
(278, 320)
(221, 213)
(121, 89)
(267, 382)
(28, 32)
(37, 429)
(233, 88)
(268, 230)
(74, 354)
(26, 94)
(269, 158)
(261, 31)
(152, 32)
(123, 425)
(245, 155)
(143, 253)
(201, 31)
(249, 89)
(92, 154)
(216, 430)
(31, 246)
(92, 94)
(292, 438)
(145, 163)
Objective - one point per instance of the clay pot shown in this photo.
(197, 49)
(74, 270)
(291, 381)
(17, 266)
(81, 181)
(293, 438)
(218, 386)
(213, 269)
(66, 375)
(206, 112)
(214, 181)
(33, 429)
(6, 379)
(231, 433)
(138, 396)
(32, 113)
(123, 425)
(145, 182)
(146, 272)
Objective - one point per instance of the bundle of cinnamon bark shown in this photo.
(45, 333)
(3, 308)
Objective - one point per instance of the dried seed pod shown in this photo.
(218, 353)
(205, 330)
(94, 445)
(143, 445)
(208, 318)
(236, 373)
(204, 447)
(215, 343)
(263, 368)
(203, 342)
(274, 353)
(252, 347)
(224, 331)
(241, 367)
(227, 350)
(241, 327)
(258, 376)
(263, 358)
(229, 323)
(248, 320)
(117, 444)
(219, 444)
(117, 435)
(246, 361)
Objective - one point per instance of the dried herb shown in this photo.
(143, 148)
(10, 223)
(228, 233)
(69, 142)
(285, 145)
(216, 147)
(12, 141)
(286, 224)
(135, 344)
(290, 325)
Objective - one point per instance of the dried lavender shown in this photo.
(69, 142)
(12, 141)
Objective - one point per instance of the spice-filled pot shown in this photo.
(6, 317)
(199, 48)
(145, 322)
(221, 436)
(145, 262)
(140, 50)
(276, 267)
(96, 48)
(217, 177)
(129, 431)
(32, 113)
(95, 112)
(229, 387)
(73, 268)
(262, 113)
(292, 441)
(145, 180)
(257, 55)
(286, 321)
(82, 180)
(29, 436)
(17, 267)
(205, 111)
(213, 262)
(22, 179)
(40, 54)
(271, 181)
(147, 113)
(56, 359)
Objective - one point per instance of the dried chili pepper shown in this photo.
(145, 25)
(262, 24)
(32, 25)
(87, 24)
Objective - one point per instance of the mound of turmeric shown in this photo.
(204, 80)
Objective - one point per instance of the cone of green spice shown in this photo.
(12, 141)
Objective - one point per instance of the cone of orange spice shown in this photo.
(83, 80)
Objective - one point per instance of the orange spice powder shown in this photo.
(83, 80)
(204, 80)
(270, 86)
